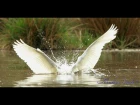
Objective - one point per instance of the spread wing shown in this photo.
(37, 60)
(92, 54)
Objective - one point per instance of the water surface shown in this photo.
(114, 69)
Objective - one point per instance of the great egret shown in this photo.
(39, 62)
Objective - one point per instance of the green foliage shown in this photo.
(69, 41)
(87, 38)
(44, 33)
(16, 28)
(34, 31)
(12, 29)
(67, 33)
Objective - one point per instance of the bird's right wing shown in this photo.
(37, 60)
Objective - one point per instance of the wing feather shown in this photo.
(92, 54)
(37, 60)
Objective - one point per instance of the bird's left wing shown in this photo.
(37, 60)
(91, 55)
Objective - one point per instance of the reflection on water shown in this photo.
(52, 80)
(114, 69)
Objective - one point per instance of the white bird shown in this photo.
(39, 62)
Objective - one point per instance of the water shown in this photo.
(114, 69)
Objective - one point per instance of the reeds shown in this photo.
(127, 35)
(43, 33)
(68, 33)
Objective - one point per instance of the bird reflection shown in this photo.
(53, 80)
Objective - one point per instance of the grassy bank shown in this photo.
(68, 33)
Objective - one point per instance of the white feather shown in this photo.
(92, 54)
(39, 62)
(35, 58)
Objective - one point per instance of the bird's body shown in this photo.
(39, 62)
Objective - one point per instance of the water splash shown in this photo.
(65, 61)
(62, 62)
(65, 67)
(51, 51)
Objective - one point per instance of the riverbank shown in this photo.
(122, 50)
(111, 50)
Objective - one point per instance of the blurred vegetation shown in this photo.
(68, 33)
(127, 36)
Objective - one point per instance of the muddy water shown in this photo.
(114, 69)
